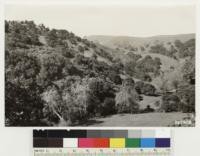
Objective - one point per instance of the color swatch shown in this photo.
(133, 143)
(147, 143)
(117, 142)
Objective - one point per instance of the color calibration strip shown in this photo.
(102, 139)
(102, 142)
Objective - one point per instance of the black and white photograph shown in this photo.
(100, 65)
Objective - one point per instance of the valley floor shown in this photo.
(137, 120)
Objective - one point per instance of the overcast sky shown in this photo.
(109, 20)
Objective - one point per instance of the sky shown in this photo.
(85, 20)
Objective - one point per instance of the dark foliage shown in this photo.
(142, 68)
(23, 102)
(53, 67)
(108, 107)
(148, 109)
(171, 103)
(145, 88)
(186, 49)
(103, 53)
(187, 98)
(101, 97)
(21, 34)
(161, 49)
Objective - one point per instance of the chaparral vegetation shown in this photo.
(55, 78)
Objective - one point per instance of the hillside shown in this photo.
(54, 77)
(171, 60)
(137, 42)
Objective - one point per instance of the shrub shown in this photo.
(134, 57)
(104, 53)
(22, 102)
(99, 91)
(21, 68)
(52, 38)
(186, 94)
(158, 48)
(108, 106)
(81, 49)
(170, 103)
(23, 106)
(187, 49)
(115, 77)
(142, 48)
(148, 109)
(146, 77)
(129, 68)
(145, 88)
(86, 48)
(143, 67)
(189, 71)
(86, 42)
(21, 34)
(149, 89)
(117, 66)
(73, 41)
(51, 69)
(67, 52)
(139, 87)
(148, 64)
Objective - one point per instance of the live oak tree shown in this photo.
(23, 103)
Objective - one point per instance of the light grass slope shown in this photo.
(138, 120)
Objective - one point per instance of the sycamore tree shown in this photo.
(126, 99)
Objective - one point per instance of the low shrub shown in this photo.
(170, 103)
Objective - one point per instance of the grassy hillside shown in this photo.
(126, 41)
(168, 51)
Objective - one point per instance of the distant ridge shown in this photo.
(115, 41)
(141, 37)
